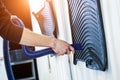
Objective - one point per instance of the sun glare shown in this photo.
(36, 5)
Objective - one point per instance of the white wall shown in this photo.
(60, 67)
(3, 75)
(56, 67)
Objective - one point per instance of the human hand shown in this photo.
(61, 47)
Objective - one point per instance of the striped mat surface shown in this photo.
(88, 30)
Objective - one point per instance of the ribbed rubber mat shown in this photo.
(87, 29)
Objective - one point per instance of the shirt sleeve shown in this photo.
(8, 30)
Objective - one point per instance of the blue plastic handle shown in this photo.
(40, 53)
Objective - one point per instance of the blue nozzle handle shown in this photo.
(40, 53)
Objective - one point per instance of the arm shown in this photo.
(33, 39)
(24, 36)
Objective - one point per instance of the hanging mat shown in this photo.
(87, 29)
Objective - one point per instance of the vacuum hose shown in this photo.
(27, 51)
(7, 60)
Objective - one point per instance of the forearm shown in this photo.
(32, 39)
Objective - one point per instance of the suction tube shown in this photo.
(39, 53)
(7, 60)
(27, 51)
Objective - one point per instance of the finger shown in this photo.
(62, 52)
(67, 51)
(57, 52)
(72, 49)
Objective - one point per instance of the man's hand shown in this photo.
(61, 47)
